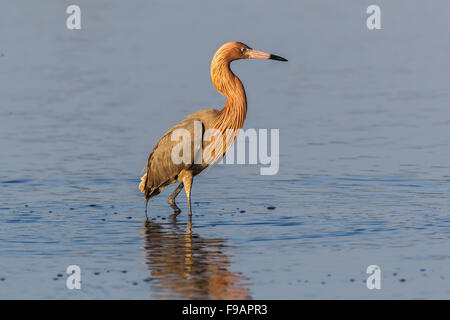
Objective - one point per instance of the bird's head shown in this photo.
(231, 51)
(222, 77)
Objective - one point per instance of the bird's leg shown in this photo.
(146, 206)
(171, 199)
(187, 181)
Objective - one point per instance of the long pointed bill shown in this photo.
(255, 54)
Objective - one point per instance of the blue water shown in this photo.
(364, 154)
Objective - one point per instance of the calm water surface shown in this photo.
(364, 155)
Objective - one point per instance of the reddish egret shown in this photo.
(160, 169)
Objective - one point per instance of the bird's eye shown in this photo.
(244, 50)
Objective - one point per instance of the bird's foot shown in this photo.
(175, 208)
(173, 205)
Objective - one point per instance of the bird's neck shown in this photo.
(232, 116)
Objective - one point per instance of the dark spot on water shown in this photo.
(423, 270)
(50, 211)
(26, 206)
(112, 206)
(129, 217)
(328, 275)
(103, 219)
(164, 218)
(394, 274)
(352, 280)
(402, 280)
(323, 282)
(71, 209)
(135, 283)
(16, 181)
(270, 208)
(96, 273)
(124, 271)
(55, 278)
(2, 279)
(242, 211)
(115, 212)
(59, 275)
(147, 280)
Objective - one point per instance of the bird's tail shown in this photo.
(143, 184)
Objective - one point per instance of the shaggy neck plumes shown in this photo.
(232, 116)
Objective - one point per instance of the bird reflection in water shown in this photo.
(185, 266)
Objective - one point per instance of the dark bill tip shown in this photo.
(275, 57)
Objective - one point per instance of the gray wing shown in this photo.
(161, 169)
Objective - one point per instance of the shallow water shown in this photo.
(364, 155)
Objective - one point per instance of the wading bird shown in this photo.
(161, 171)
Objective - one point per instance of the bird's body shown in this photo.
(161, 170)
